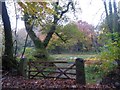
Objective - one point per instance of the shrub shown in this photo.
(110, 52)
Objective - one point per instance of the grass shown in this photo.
(93, 74)
(72, 56)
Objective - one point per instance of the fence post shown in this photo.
(80, 71)
(23, 67)
(29, 68)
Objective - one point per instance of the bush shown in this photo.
(110, 52)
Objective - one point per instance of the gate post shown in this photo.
(80, 71)
(23, 67)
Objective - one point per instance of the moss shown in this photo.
(42, 54)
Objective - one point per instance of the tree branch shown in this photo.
(16, 46)
(24, 46)
(60, 37)
(53, 27)
(29, 29)
(49, 35)
(65, 10)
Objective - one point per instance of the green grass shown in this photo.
(72, 56)
(93, 74)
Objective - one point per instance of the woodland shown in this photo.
(51, 45)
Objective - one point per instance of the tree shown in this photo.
(57, 14)
(111, 49)
(21, 37)
(112, 17)
(89, 34)
(8, 60)
(66, 38)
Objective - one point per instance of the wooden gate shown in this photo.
(57, 69)
(52, 69)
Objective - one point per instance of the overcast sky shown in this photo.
(92, 12)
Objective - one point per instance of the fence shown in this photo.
(57, 69)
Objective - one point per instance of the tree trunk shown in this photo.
(8, 60)
(41, 52)
(50, 33)
(109, 18)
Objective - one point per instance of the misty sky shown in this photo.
(91, 11)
